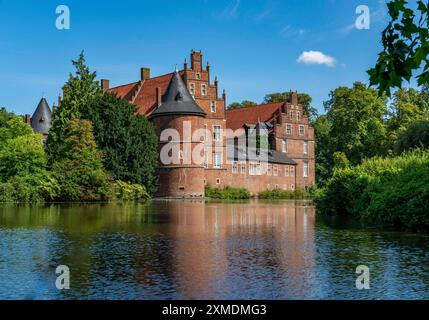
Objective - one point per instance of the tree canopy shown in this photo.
(242, 104)
(405, 47)
(303, 98)
(128, 140)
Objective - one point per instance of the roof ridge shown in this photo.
(259, 105)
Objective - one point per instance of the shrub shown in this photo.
(130, 192)
(384, 191)
(278, 194)
(227, 193)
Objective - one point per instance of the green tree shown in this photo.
(415, 136)
(23, 173)
(242, 104)
(79, 90)
(408, 106)
(128, 141)
(303, 98)
(323, 155)
(405, 47)
(5, 116)
(80, 172)
(357, 125)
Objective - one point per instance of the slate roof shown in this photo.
(177, 100)
(239, 154)
(41, 121)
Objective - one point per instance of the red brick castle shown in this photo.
(189, 98)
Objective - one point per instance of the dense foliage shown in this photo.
(23, 173)
(242, 104)
(79, 91)
(278, 194)
(405, 47)
(128, 141)
(415, 136)
(227, 193)
(384, 191)
(80, 173)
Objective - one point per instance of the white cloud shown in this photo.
(316, 57)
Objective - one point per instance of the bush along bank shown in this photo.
(278, 194)
(227, 193)
(390, 192)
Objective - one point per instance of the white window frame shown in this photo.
(198, 76)
(251, 169)
(291, 115)
(287, 171)
(289, 130)
(306, 170)
(217, 156)
(275, 171)
(217, 134)
(301, 130)
(284, 146)
(204, 90)
(213, 106)
(269, 170)
(306, 147)
(192, 89)
(243, 168)
(234, 167)
(298, 116)
(291, 171)
(258, 169)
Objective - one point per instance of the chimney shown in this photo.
(27, 119)
(158, 96)
(196, 60)
(216, 83)
(224, 95)
(294, 98)
(105, 84)
(144, 74)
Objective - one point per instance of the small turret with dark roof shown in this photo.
(177, 100)
(41, 121)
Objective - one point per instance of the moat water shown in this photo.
(198, 250)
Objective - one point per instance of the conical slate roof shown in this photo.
(177, 100)
(41, 121)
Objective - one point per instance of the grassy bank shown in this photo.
(381, 191)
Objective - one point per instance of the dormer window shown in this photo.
(204, 90)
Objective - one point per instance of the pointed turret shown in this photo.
(41, 121)
(177, 100)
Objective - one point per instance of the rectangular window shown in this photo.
(251, 169)
(284, 146)
(270, 170)
(258, 169)
(235, 167)
(305, 147)
(218, 181)
(243, 168)
(306, 170)
(298, 115)
(198, 76)
(192, 89)
(292, 187)
(276, 171)
(216, 133)
(291, 115)
(301, 130)
(286, 171)
(289, 129)
(213, 106)
(204, 90)
(292, 171)
(217, 157)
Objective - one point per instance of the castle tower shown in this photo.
(41, 121)
(181, 166)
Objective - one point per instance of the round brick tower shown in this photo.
(181, 169)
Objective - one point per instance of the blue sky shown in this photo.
(253, 45)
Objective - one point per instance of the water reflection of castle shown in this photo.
(217, 246)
